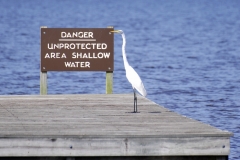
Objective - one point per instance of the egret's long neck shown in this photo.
(123, 51)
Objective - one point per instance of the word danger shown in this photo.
(76, 34)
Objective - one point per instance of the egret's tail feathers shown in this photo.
(142, 90)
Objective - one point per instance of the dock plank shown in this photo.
(101, 125)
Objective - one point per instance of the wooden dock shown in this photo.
(103, 125)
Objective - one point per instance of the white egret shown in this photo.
(131, 74)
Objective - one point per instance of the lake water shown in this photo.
(186, 52)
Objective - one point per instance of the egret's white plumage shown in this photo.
(131, 74)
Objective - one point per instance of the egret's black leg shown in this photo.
(135, 102)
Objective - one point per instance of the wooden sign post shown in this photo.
(109, 79)
(77, 49)
(43, 78)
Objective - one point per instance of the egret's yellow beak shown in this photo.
(115, 31)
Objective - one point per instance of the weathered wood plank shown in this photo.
(112, 147)
(101, 125)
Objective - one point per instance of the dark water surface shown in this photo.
(186, 52)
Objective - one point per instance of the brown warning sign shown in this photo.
(77, 49)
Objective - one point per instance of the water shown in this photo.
(186, 52)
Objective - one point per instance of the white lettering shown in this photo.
(61, 45)
(99, 46)
(69, 35)
(63, 34)
(47, 55)
(52, 55)
(82, 46)
(74, 55)
(90, 34)
(100, 55)
(73, 64)
(77, 64)
(74, 34)
(93, 44)
(63, 55)
(50, 47)
(66, 46)
(87, 46)
(85, 55)
(87, 64)
(72, 46)
(55, 55)
(67, 64)
(104, 46)
(106, 55)
(89, 55)
(77, 35)
(93, 55)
